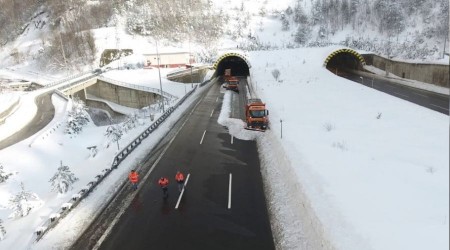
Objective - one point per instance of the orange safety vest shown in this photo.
(134, 177)
(179, 177)
(163, 182)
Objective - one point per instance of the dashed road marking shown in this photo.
(182, 191)
(229, 191)
(203, 136)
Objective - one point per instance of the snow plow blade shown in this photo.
(256, 129)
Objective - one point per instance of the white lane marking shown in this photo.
(439, 107)
(399, 94)
(211, 113)
(217, 99)
(182, 191)
(229, 192)
(420, 95)
(203, 136)
(231, 139)
(128, 201)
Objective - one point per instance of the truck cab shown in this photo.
(256, 115)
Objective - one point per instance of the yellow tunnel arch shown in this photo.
(217, 62)
(353, 52)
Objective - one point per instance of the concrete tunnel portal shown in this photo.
(344, 59)
(338, 60)
(238, 64)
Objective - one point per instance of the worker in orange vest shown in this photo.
(134, 178)
(179, 177)
(163, 183)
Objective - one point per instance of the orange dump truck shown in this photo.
(232, 83)
(256, 115)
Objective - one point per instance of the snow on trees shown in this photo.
(303, 34)
(130, 122)
(63, 179)
(113, 134)
(2, 230)
(23, 202)
(77, 117)
(3, 175)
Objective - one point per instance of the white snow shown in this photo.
(339, 177)
(355, 168)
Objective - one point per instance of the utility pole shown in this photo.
(281, 124)
(190, 62)
(159, 73)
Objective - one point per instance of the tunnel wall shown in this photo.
(436, 74)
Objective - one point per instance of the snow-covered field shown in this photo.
(353, 168)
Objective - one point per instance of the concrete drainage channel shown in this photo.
(68, 206)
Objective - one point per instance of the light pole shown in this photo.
(159, 73)
(190, 63)
(281, 123)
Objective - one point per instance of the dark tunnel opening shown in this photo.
(237, 65)
(343, 62)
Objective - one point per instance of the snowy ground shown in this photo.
(355, 168)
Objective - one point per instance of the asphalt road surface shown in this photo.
(44, 114)
(223, 205)
(434, 101)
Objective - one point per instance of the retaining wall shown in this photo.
(123, 96)
(437, 74)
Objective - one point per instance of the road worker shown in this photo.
(179, 177)
(134, 178)
(163, 183)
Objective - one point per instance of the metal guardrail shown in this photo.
(69, 78)
(76, 83)
(137, 87)
(84, 192)
(186, 71)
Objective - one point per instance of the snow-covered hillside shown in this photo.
(360, 169)
(60, 37)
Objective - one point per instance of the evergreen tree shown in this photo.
(303, 34)
(345, 12)
(285, 24)
(77, 117)
(2, 230)
(299, 15)
(289, 11)
(63, 179)
(3, 175)
(22, 202)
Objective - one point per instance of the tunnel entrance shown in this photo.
(344, 60)
(238, 64)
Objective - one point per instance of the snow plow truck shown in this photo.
(256, 115)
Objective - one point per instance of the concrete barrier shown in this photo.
(437, 74)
